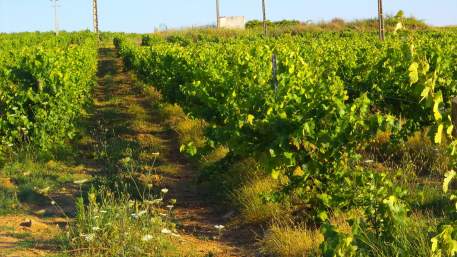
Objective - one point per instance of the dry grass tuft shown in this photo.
(253, 207)
(214, 156)
(190, 130)
(291, 241)
(418, 156)
(172, 114)
(426, 157)
(153, 94)
(137, 109)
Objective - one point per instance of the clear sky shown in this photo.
(145, 15)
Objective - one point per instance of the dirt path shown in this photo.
(125, 123)
(124, 110)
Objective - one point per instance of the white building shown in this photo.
(232, 22)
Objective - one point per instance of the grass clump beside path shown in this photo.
(109, 225)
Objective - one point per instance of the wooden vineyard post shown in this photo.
(218, 14)
(381, 20)
(264, 18)
(275, 72)
(454, 115)
(95, 15)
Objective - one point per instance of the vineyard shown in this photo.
(313, 144)
(309, 109)
(44, 83)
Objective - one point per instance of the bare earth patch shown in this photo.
(23, 235)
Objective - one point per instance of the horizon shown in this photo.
(142, 16)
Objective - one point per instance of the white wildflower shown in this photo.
(147, 238)
(164, 190)
(166, 231)
(219, 227)
(88, 237)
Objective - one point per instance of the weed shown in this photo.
(291, 241)
(190, 130)
(417, 156)
(153, 95)
(253, 208)
(8, 201)
(214, 156)
(33, 181)
(172, 114)
(411, 239)
(113, 225)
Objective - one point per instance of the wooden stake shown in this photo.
(218, 14)
(264, 18)
(275, 72)
(95, 15)
(454, 115)
(381, 20)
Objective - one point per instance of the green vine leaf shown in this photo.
(439, 134)
(449, 176)
(413, 73)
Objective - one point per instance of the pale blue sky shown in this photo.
(145, 15)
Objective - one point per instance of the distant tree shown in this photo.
(400, 14)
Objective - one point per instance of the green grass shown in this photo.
(253, 208)
(291, 241)
(8, 201)
(33, 181)
(411, 239)
(429, 199)
(111, 225)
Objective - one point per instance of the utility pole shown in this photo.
(381, 20)
(218, 14)
(264, 18)
(95, 15)
(56, 19)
